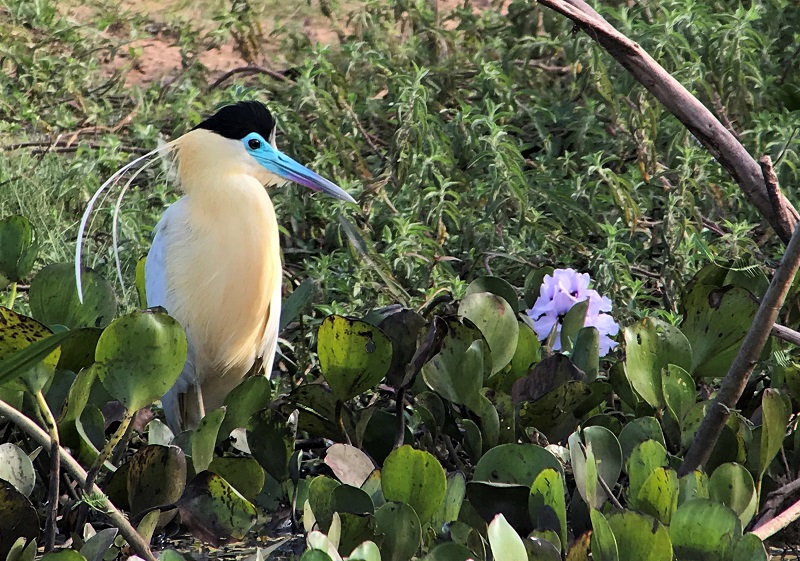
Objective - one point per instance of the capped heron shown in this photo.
(215, 262)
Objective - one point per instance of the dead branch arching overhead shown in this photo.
(723, 145)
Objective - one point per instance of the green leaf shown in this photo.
(353, 355)
(156, 476)
(601, 456)
(18, 518)
(18, 250)
(732, 485)
(525, 354)
(449, 551)
(703, 529)
(640, 537)
(416, 478)
(400, 526)
(204, 439)
(98, 545)
(457, 371)
(244, 474)
(214, 511)
(64, 555)
(572, 324)
(644, 460)
(252, 395)
(497, 322)
(604, 544)
(517, 464)
(775, 417)
(28, 349)
(451, 504)
(367, 551)
(16, 468)
(638, 431)
(693, 486)
(54, 300)
(320, 498)
(586, 352)
(271, 439)
(658, 495)
(351, 500)
(679, 391)
(749, 548)
(715, 320)
(495, 285)
(140, 356)
(651, 346)
(505, 542)
(294, 304)
(547, 491)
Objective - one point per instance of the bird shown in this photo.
(215, 261)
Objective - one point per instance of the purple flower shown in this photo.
(561, 291)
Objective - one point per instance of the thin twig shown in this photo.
(784, 333)
(687, 108)
(736, 379)
(779, 522)
(250, 70)
(77, 472)
(607, 489)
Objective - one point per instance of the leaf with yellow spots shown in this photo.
(18, 333)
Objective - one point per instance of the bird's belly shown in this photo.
(221, 285)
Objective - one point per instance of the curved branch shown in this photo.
(718, 140)
(139, 545)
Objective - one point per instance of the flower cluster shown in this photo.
(561, 291)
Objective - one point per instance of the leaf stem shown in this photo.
(108, 449)
(12, 296)
(53, 493)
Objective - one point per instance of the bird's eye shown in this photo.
(254, 143)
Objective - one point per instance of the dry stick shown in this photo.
(689, 111)
(778, 523)
(788, 335)
(736, 379)
(139, 545)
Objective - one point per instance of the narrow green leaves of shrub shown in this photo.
(416, 478)
(139, 357)
(353, 355)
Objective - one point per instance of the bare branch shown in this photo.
(736, 379)
(689, 111)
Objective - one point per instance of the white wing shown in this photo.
(270, 343)
(157, 292)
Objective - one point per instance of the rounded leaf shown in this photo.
(18, 518)
(353, 355)
(518, 464)
(496, 320)
(651, 345)
(400, 526)
(16, 468)
(18, 249)
(640, 537)
(732, 485)
(54, 300)
(505, 542)
(703, 529)
(140, 356)
(414, 477)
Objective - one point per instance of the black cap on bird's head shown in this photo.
(240, 119)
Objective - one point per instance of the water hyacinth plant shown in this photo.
(558, 293)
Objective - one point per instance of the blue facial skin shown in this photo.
(280, 164)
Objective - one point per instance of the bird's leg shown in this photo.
(196, 394)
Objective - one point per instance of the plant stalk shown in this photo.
(12, 296)
(53, 492)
